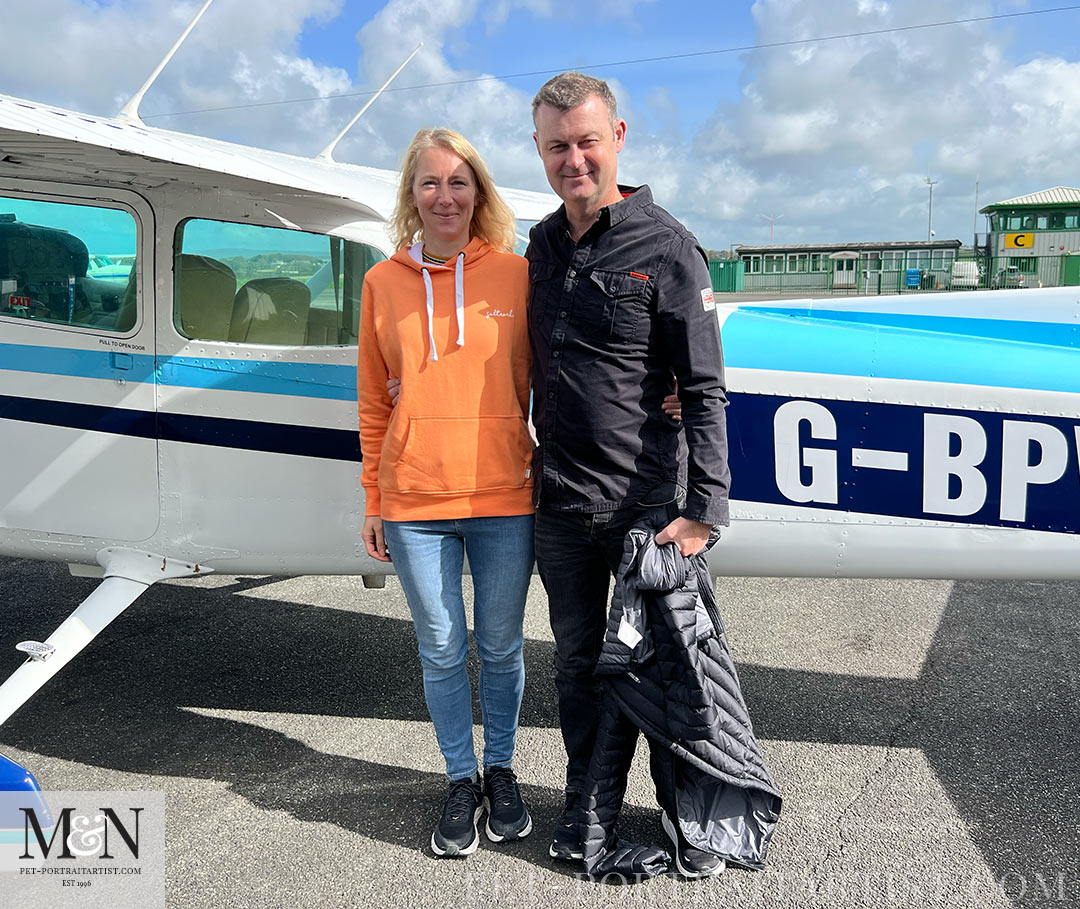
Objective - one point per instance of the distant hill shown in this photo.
(235, 252)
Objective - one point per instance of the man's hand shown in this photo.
(689, 536)
(372, 535)
(393, 388)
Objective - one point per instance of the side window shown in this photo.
(68, 264)
(267, 285)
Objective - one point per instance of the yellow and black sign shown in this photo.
(1019, 241)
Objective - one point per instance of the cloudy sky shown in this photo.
(833, 138)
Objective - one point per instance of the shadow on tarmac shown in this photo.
(994, 710)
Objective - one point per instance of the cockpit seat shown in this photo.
(205, 289)
(271, 311)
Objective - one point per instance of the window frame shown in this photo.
(772, 259)
(132, 204)
(177, 249)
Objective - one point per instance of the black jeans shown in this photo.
(577, 555)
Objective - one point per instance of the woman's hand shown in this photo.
(671, 405)
(374, 542)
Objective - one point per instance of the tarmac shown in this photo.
(924, 735)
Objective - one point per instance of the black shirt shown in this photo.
(611, 318)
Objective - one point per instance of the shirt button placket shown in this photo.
(551, 465)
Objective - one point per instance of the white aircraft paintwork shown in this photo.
(126, 445)
(147, 434)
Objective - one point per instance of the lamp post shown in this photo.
(930, 222)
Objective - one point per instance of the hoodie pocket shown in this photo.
(460, 455)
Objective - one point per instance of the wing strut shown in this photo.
(130, 111)
(128, 573)
(327, 154)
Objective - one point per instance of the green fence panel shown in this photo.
(727, 275)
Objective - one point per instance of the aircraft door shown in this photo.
(79, 453)
(257, 395)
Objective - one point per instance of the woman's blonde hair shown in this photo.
(492, 220)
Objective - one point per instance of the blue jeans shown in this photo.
(428, 557)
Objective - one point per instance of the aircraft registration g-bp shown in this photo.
(195, 411)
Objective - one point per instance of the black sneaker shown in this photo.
(508, 815)
(566, 843)
(456, 833)
(691, 861)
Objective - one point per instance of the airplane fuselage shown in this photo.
(203, 407)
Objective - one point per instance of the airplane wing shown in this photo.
(73, 144)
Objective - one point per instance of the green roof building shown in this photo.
(1038, 235)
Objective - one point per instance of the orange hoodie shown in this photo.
(457, 444)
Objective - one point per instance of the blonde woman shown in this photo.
(448, 470)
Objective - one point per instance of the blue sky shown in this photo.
(527, 42)
(835, 137)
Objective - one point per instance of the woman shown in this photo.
(448, 469)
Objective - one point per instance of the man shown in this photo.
(620, 300)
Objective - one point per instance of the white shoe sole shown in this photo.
(669, 829)
(452, 850)
(565, 856)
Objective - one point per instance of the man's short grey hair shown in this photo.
(569, 90)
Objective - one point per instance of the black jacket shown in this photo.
(668, 672)
(611, 319)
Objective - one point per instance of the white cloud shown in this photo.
(93, 57)
(837, 135)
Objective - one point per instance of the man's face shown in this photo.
(580, 152)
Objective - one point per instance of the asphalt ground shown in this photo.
(924, 734)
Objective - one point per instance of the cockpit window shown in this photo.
(267, 285)
(68, 264)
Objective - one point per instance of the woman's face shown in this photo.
(445, 191)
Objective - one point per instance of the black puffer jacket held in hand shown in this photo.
(668, 673)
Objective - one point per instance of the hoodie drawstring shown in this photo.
(430, 311)
(417, 252)
(459, 298)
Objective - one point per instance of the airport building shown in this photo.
(1033, 240)
(888, 266)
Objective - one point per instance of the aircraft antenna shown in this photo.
(130, 111)
(327, 154)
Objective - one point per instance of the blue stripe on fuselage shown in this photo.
(1059, 334)
(309, 380)
(992, 352)
(1025, 355)
(306, 380)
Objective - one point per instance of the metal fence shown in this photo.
(993, 273)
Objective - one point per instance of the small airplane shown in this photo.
(196, 411)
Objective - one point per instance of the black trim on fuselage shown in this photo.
(248, 435)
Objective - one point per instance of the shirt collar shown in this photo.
(634, 199)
